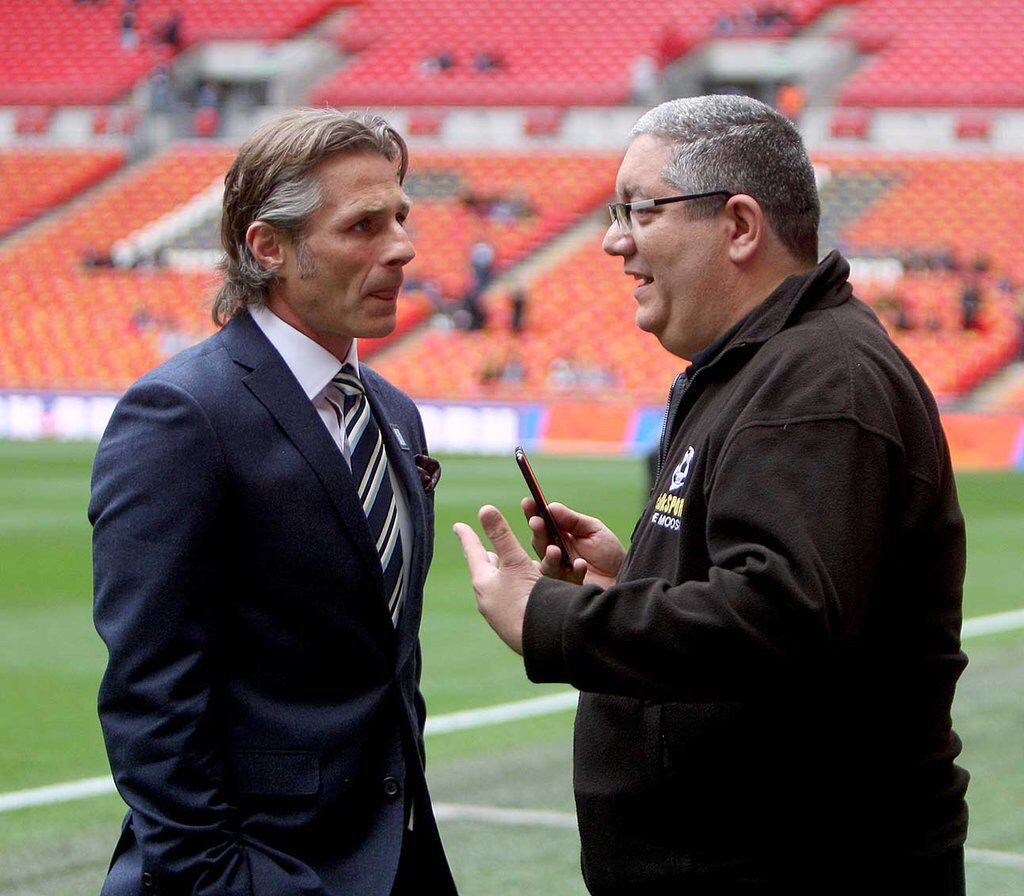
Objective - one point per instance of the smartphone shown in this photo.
(554, 536)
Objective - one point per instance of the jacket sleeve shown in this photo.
(157, 493)
(796, 520)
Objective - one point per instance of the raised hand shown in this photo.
(501, 578)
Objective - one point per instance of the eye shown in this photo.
(364, 225)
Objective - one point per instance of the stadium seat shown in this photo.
(850, 123)
(973, 126)
(425, 122)
(33, 120)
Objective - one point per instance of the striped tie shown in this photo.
(370, 472)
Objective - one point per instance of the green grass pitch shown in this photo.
(51, 660)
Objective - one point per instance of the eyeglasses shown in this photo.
(620, 212)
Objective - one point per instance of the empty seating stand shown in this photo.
(937, 53)
(58, 52)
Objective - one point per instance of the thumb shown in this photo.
(510, 552)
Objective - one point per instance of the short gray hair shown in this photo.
(739, 144)
(274, 179)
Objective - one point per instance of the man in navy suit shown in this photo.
(259, 594)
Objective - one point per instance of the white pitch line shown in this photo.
(500, 815)
(503, 712)
(994, 857)
(997, 622)
(442, 724)
(56, 793)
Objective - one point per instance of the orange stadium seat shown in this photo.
(109, 325)
(32, 181)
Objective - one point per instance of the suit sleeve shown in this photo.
(792, 548)
(157, 494)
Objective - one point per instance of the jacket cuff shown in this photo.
(544, 641)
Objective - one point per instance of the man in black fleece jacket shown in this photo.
(766, 674)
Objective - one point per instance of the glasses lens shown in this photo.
(620, 216)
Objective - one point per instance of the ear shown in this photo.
(747, 227)
(266, 245)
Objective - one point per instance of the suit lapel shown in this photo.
(276, 388)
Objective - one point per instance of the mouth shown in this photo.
(385, 295)
(642, 280)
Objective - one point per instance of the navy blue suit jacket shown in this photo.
(262, 716)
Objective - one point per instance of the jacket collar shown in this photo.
(825, 286)
(273, 384)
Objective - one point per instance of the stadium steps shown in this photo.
(844, 198)
(831, 21)
(527, 273)
(1003, 391)
(71, 204)
(588, 229)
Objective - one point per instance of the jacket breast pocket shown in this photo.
(275, 773)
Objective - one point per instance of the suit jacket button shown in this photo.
(392, 788)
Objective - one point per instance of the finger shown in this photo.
(538, 535)
(569, 520)
(551, 566)
(529, 507)
(510, 552)
(472, 549)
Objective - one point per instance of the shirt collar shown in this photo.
(311, 364)
(702, 357)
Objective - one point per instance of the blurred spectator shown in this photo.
(207, 96)
(671, 44)
(161, 91)
(170, 32)
(891, 307)
(499, 207)
(94, 258)
(487, 61)
(481, 261)
(970, 303)
(561, 375)
(510, 372)
(644, 79)
(519, 299)
(441, 61)
(790, 100)
(129, 34)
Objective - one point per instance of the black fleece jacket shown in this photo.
(767, 688)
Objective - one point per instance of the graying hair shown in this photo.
(274, 179)
(739, 144)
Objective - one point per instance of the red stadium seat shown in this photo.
(851, 123)
(34, 120)
(974, 126)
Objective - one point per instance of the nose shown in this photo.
(400, 249)
(616, 242)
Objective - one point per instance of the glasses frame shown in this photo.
(620, 212)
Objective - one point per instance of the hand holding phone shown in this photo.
(554, 536)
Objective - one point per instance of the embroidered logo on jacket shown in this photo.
(680, 473)
(668, 509)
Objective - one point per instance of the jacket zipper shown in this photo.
(671, 408)
(675, 401)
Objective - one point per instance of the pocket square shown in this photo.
(429, 470)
